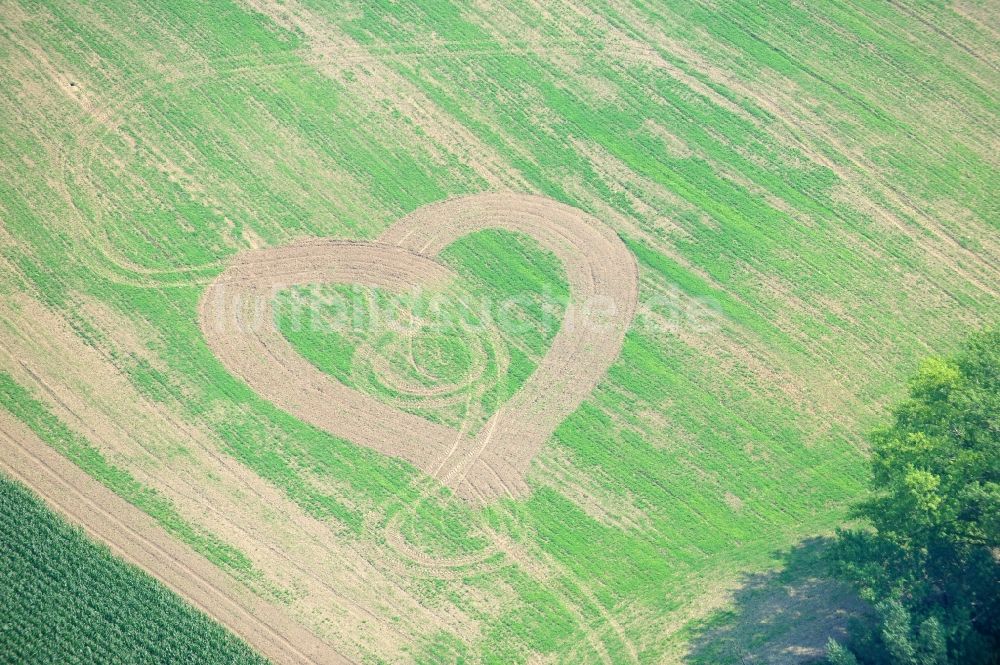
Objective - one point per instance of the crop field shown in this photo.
(66, 600)
(308, 288)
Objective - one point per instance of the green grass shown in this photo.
(706, 450)
(510, 295)
(65, 599)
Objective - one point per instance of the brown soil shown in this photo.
(338, 589)
(238, 322)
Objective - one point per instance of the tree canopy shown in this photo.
(927, 553)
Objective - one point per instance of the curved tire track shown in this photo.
(236, 316)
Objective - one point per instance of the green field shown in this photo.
(474, 345)
(810, 192)
(65, 600)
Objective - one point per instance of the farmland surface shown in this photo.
(806, 199)
(67, 600)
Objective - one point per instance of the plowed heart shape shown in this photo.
(237, 320)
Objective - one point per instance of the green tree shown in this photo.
(837, 654)
(928, 554)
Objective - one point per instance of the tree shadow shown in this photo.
(779, 617)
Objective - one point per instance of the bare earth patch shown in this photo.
(237, 319)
